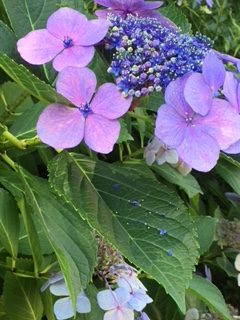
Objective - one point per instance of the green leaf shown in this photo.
(188, 183)
(177, 16)
(9, 223)
(70, 237)
(225, 264)
(28, 15)
(124, 134)
(2, 312)
(152, 102)
(29, 82)
(206, 227)
(7, 40)
(211, 295)
(99, 66)
(129, 211)
(22, 298)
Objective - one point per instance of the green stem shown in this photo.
(13, 140)
(9, 161)
(23, 144)
(120, 148)
(128, 148)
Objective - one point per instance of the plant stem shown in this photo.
(9, 161)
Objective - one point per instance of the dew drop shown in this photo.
(134, 203)
(163, 232)
(170, 253)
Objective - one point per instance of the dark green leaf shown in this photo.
(129, 212)
(206, 227)
(124, 134)
(7, 40)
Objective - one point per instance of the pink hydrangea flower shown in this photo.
(67, 40)
(135, 7)
(196, 138)
(200, 88)
(93, 119)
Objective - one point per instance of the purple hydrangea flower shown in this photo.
(93, 119)
(135, 7)
(197, 139)
(67, 40)
(231, 90)
(200, 88)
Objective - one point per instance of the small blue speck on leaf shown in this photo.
(163, 232)
(170, 253)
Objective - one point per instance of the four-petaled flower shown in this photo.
(93, 119)
(68, 39)
(197, 139)
(135, 7)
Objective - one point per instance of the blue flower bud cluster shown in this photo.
(147, 56)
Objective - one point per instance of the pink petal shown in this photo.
(234, 148)
(75, 56)
(198, 94)
(170, 126)
(100, 133)
(66, 22)
(39, 47)
(77, 85)
(199, 150)
(231, 90)
(213, 71)
(109, 102)
(60, 127)
(222, 123)
(93, 32)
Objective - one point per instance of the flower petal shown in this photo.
(198, 94)
(122, 314)
(199, 150)
(150, 5)
(93, 32)
(66, 22)
(100, 133)
(63, 309)
(231, 90)
(170, 126)
(171, 156)
(59, 288)
(213, 71)
(106, 299)
(39, 47)
(83, 303)
(103, 14)
(233, 148)
(237, 262)
(60, 127)
(108, 3)
(77, 85)
(109, 102)
(75, 56)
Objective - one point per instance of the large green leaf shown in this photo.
(129, 212)
(211, 295)
(70, 237)
(28, 15)
(7, 40)
(206, 227)
(9, 223)
(29, 82)
(22, 298)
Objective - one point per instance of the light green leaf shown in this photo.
(22, 298)
(152, 102)
(225, 264)
(124, 134)
(29, 82)
(28, 15)
(99, 66)
(9, 223)
(188, 183)
(206, 227)
(129, 211)
(211, 295)
(70, 237)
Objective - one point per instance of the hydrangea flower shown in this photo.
(147, 57)
(201, 87)
(237, 267)
(197, 139)
(143, 316)
(140, 8)
(68, 40)
(115, 303)
(93, 119)
(209, 2)
(231, 90)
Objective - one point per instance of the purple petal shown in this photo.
(198, 94)
(39, 47)
(234, 148)
(165, 22)
(66, 22)
(170, 126)
(123, 296)
(93, 32)
(109, 102)
(106, 299)
(213, 71)
(77, 85)
(59, 289)
(75, 56)
(100, 133)
(231, 90)
(103, 14)
(60, 127)
(63, 309)
(108, 3)
(222, 123)
(150, 5)
(199, 150)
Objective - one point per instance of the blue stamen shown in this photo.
(85, 110)
(67, 42)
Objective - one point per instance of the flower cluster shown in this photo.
(195, 120)
(129, 296)
(148, 56)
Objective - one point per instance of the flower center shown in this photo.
(189, 119)
(67, 42)
(85, 110)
